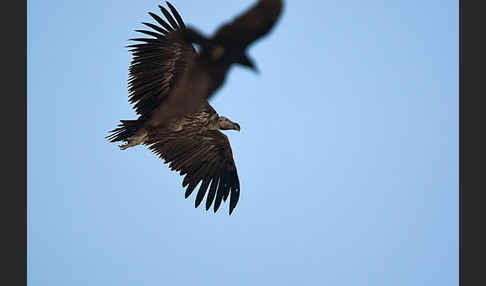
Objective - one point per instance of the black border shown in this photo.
(462, 279)
(461, 143)
(14, 143)
(471, 143)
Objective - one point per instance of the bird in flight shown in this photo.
(170, 84)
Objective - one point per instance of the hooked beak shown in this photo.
(237, 127)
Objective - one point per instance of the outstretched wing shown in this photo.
(202, 157)
(158, 61)
(252, 25)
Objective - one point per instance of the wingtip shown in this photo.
(232, 208)
(234, 198)
(215, 206)
(164, 10)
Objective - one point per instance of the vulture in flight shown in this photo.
(170, 84)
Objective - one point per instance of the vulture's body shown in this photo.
(170, 84)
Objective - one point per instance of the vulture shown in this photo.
(170, 83)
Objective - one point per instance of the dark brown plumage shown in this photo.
(169, 85)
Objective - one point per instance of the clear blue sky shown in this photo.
(347, 156)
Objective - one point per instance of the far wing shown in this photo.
(252, 25)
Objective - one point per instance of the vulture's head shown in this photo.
(226, 124)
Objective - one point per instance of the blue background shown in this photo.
(347, 156)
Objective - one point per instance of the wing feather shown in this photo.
(150, 33)
(201, 193)
(176, 15)
(169, 17)
(161, 22)
(156, 28)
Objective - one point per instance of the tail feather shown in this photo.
(126, 129)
